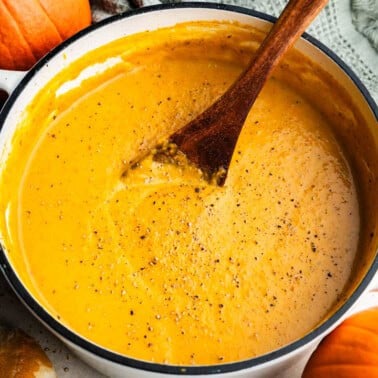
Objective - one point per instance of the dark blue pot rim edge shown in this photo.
(72, 337)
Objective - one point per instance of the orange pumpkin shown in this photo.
(350, 351)
(31, 28)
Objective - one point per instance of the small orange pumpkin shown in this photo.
(350, 351)
(31, 28)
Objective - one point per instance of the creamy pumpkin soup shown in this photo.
(149, 259)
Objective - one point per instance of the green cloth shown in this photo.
(365, 19)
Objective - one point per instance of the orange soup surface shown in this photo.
(156, 263)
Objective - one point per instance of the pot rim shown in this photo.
(106, 354)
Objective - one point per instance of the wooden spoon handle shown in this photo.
(293, 21)
(209, 140)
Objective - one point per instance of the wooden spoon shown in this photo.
(209, 140)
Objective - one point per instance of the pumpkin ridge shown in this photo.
(371, 368)
(361, 328)
(9, 53)
(346, 365)
(35, 26)
(19, 30)
(352, 323)
(365, 351)
(349, 351)
(52, 22)
(342, 371)
(70, 20)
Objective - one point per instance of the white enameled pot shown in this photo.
(24, 86)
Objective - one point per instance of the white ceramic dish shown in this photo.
(276, 363)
